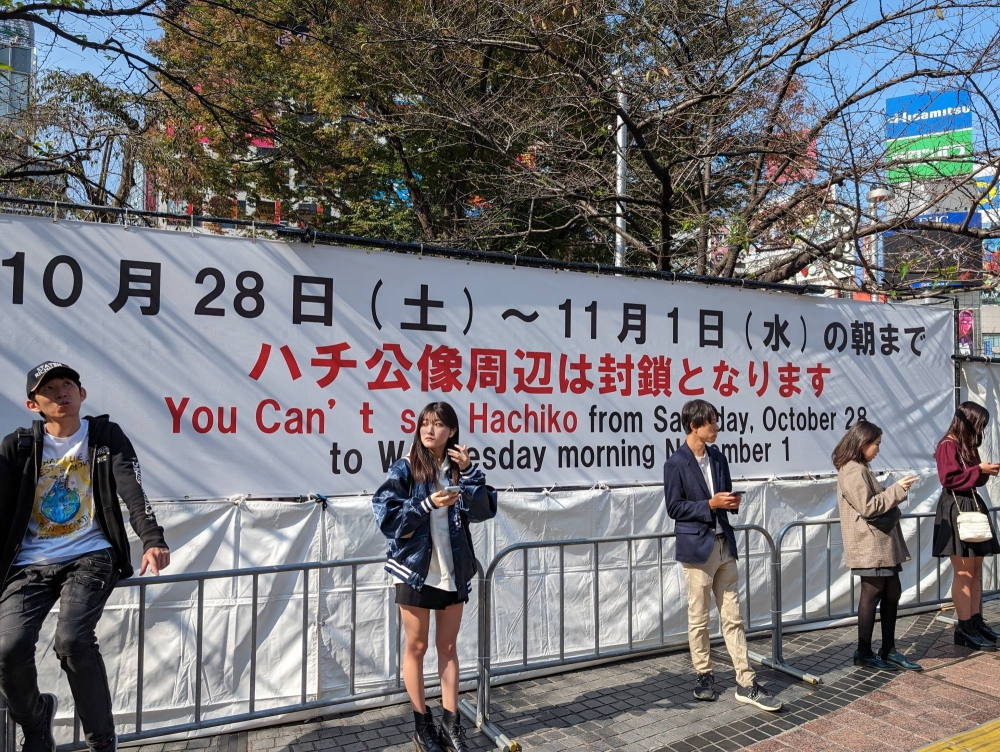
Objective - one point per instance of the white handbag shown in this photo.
(973, 527)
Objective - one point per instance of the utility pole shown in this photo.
(621, 136)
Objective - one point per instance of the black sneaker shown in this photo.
(704, 689)
(38, 736)
(757, 695)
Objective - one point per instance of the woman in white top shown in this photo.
(424, 509)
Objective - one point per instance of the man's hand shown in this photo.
(724, 500)
(154, 560)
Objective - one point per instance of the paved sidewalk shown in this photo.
(641, 705)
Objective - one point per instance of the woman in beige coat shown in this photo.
(873, 555)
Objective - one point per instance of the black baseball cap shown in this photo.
(47, 370)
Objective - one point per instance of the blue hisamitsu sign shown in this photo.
(921, 114)
(945, 218)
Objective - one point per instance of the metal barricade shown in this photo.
(480, 714)
(922, 598)
(395, 687)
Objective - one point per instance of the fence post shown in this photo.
(8, 729)
(777, 658)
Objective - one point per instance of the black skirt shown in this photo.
(946, 540)
(428, 597)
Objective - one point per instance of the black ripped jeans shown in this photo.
(882, 593)
(82, 587)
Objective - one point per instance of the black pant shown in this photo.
(82, 587)
(884, 593)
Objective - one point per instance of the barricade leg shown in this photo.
(8, 739)
(777, 659)
(480, 714)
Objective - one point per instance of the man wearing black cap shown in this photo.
(64, 539)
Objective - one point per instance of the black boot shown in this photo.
(984, 629)
(452, 733)
(425, 734)
(968, 636)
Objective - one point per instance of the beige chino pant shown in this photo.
(718, 575)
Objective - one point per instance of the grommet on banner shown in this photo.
(55, 212)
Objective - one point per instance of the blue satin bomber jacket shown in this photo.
(402, 510)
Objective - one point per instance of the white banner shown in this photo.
(273, 369)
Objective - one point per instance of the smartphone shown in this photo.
(453, 489)
(737, 493)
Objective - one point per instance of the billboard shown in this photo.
(929, 136)
(921, 255)
(275, 369)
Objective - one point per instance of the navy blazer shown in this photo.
(687, 503)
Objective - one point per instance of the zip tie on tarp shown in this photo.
(599, 486)
(317, 498)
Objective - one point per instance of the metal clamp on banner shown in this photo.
(318, 498)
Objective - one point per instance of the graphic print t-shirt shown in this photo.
(62, 524)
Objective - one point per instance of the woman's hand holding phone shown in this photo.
(990, 468)
(444, 498)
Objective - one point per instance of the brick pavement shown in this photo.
(641, 705)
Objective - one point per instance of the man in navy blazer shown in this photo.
(698, 491)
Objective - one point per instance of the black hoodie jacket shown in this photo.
(114, 469)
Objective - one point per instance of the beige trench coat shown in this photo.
(859, 494)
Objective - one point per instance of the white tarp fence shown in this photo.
(222, 535)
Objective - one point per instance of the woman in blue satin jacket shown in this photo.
(424, 509)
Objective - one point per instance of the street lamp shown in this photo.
(878, 193)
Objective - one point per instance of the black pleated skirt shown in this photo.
(946, 540)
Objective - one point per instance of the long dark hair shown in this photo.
(422, 461)
(851, 448)
(967, 429)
